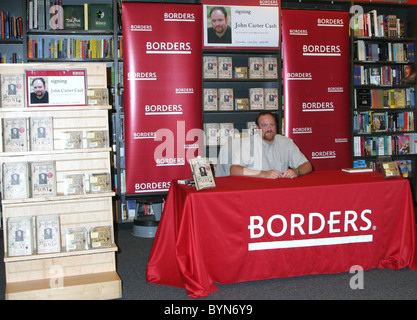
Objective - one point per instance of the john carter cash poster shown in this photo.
(241, 26)
(56, 87)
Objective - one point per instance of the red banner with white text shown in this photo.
(316, 83)
(162, 93)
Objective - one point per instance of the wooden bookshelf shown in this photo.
(86, 274)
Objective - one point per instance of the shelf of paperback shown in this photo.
(57, 207)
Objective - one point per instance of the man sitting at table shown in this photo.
(267, 154)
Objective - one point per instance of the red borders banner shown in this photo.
(162, 93)
(316, 81)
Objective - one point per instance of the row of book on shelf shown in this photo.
(13, 89)
(54, 15)
(218, 133)
(11, 26)
(385, 51)
(369, 121)
(372, 24)
(37, 134)
(404, 166)
(215, 67)
(22, 180)
(384, 75)
(42, 235)
(385, 145)
(71, 48)
(384, 98)
(223, 99)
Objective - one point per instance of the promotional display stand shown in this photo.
(85, 273)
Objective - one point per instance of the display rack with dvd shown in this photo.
(47, 198)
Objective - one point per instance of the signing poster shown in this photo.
(56, 87)
(162, 93)
(316, 84)
(248, 24)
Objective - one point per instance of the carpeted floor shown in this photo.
(379, 284)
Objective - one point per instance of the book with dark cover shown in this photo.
(100, 17)
(74, 17)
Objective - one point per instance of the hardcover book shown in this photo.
(270, 68)
(202, 173)
(101, 237)
(19, 236)
(100, 182)
(256, 67)
(76, 239)
(212, 133)
(100, 17)
(74, 184)
(225, 99)
(48, 235)
(225, 68)
(256, 98)
(12, 91)
(15, 180)
(43, 179)
(97, 139)
(41, 134)
(210, 67)
(73, 17)
(271, 98)
(15, 135)
(210, 99)
(226, 131)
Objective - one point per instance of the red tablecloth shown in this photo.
(251, 229)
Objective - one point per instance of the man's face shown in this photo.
(38, 88)
(268, 127)
(218, 22)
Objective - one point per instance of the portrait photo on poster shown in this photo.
(56, 87)
(241, 26)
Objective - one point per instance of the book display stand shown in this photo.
(66, 249)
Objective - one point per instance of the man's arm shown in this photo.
(236, 170)
(305, 168)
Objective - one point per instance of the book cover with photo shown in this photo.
(202, 173)
(15, 180)
(271, 98)
(41, 134)
(19, 236)
(43, 178)
(12, 91)
(48, 235)
(15, 134)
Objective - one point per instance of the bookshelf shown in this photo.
(64, 274)
(383, 96)
(239, 92)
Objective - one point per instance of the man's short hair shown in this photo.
(265, 112)
(222, 9)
